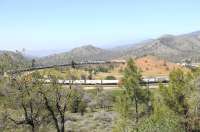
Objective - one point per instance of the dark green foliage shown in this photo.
(101, 69)
(178, 92)
(179, 88)
(131, 83)
(161, 120)
(110, 78)
(123, 106)
(133, 97)
(73, 64)
(76, 103)
(33, 63)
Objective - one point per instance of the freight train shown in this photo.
(109, 82)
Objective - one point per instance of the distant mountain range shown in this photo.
(169, 47)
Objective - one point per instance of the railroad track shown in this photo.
(73, 64)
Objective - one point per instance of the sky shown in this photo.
(65, 24)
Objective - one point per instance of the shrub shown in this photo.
(101, 69)
(110, 78)
(103, 116)
(104, 100)
(77, 102)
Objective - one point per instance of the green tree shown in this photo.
(73, 64)
(122, 107)
(133, 92)
(162, 119)
(76, 102)
(131, 83)
(178, 92)
(194, 102)
(33, 61)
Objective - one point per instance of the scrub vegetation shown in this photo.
(29, 104)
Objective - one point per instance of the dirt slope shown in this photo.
(152, 66)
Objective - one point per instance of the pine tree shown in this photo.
(133, 95)
(177, 93)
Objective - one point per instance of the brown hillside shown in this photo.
(152, 66)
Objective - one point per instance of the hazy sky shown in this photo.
(64, 24)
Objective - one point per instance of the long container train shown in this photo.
(109, 82)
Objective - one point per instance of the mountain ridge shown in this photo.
(173, 48)
(170, 47)
(83, 53)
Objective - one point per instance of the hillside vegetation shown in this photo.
(29, 104)
(12, 60)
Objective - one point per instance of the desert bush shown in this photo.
(77, 102)
(104, 100)
(104, 116)
(92, 105)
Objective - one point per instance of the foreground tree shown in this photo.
(162, 119)
(133, 92)
(131, 83)
(178, 92)
(123, 122)
(32, 105)
(55, 99)
(195, 102)
(76, 102)
(22, 98)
